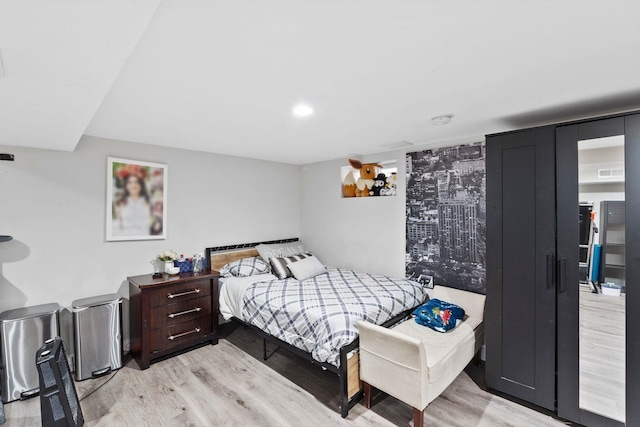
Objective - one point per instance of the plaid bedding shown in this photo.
(319, 315)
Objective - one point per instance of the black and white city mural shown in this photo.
(446, 217)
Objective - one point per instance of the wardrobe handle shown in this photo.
(563, 275)
(550, 269)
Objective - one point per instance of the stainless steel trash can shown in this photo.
(22, 332)
(97, 325)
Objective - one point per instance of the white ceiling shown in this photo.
(223, 76)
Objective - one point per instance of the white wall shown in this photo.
(364, 233)
(53, 204)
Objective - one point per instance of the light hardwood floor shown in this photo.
(602, 354)
(229, 385)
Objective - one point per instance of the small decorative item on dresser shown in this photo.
(157, 267)
(184, 264)
(197, 263)
(168, 257)
(172, 271)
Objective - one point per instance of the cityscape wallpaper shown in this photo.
(446, 217)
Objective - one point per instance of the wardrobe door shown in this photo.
(598, 348)
(520, 319)
(632, 158)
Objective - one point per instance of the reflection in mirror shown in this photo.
(602, 278)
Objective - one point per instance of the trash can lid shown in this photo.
(28, 312)
(94, 301)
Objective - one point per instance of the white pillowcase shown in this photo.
(307, 268)
(279, 250)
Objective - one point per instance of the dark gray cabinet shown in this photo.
(520, 306)
(533, 256)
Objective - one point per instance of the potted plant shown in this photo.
(167, 257)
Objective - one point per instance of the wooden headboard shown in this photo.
(218, 256)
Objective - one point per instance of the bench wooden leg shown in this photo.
(367, 394)
(418, 418)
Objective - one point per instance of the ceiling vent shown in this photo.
(399, 144)
(613, 173)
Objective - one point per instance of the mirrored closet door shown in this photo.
(596, 269)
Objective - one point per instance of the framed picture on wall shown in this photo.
(446, 217)
(136, 200)
(369, 179)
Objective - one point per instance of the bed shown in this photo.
(297, 303)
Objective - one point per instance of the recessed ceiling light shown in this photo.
(302, 110)
(441, 120)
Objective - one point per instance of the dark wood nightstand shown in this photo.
(171, 314)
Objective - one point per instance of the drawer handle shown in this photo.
(173, 337)
(194, 291)
(193, 310)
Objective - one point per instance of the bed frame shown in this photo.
(349, 371)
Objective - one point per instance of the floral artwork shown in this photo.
(136, 200)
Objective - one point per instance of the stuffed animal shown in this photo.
(390, 185)
(378, 185)
(360, 187)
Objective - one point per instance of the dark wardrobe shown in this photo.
(533, 257)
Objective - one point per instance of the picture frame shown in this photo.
(445, 221)
(369, 179)
(136, 205)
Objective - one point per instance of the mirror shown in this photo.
(602, 276)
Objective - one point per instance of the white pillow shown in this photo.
(307, 268)
(279, 250)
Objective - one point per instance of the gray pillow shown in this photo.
(279, 266)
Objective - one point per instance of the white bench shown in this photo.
(414, 363)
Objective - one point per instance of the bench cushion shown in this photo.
(446, 353)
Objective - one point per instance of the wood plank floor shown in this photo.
(229, 385)
(602, 354)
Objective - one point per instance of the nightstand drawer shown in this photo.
(174, 335)
(179, 312)
(179, 292)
